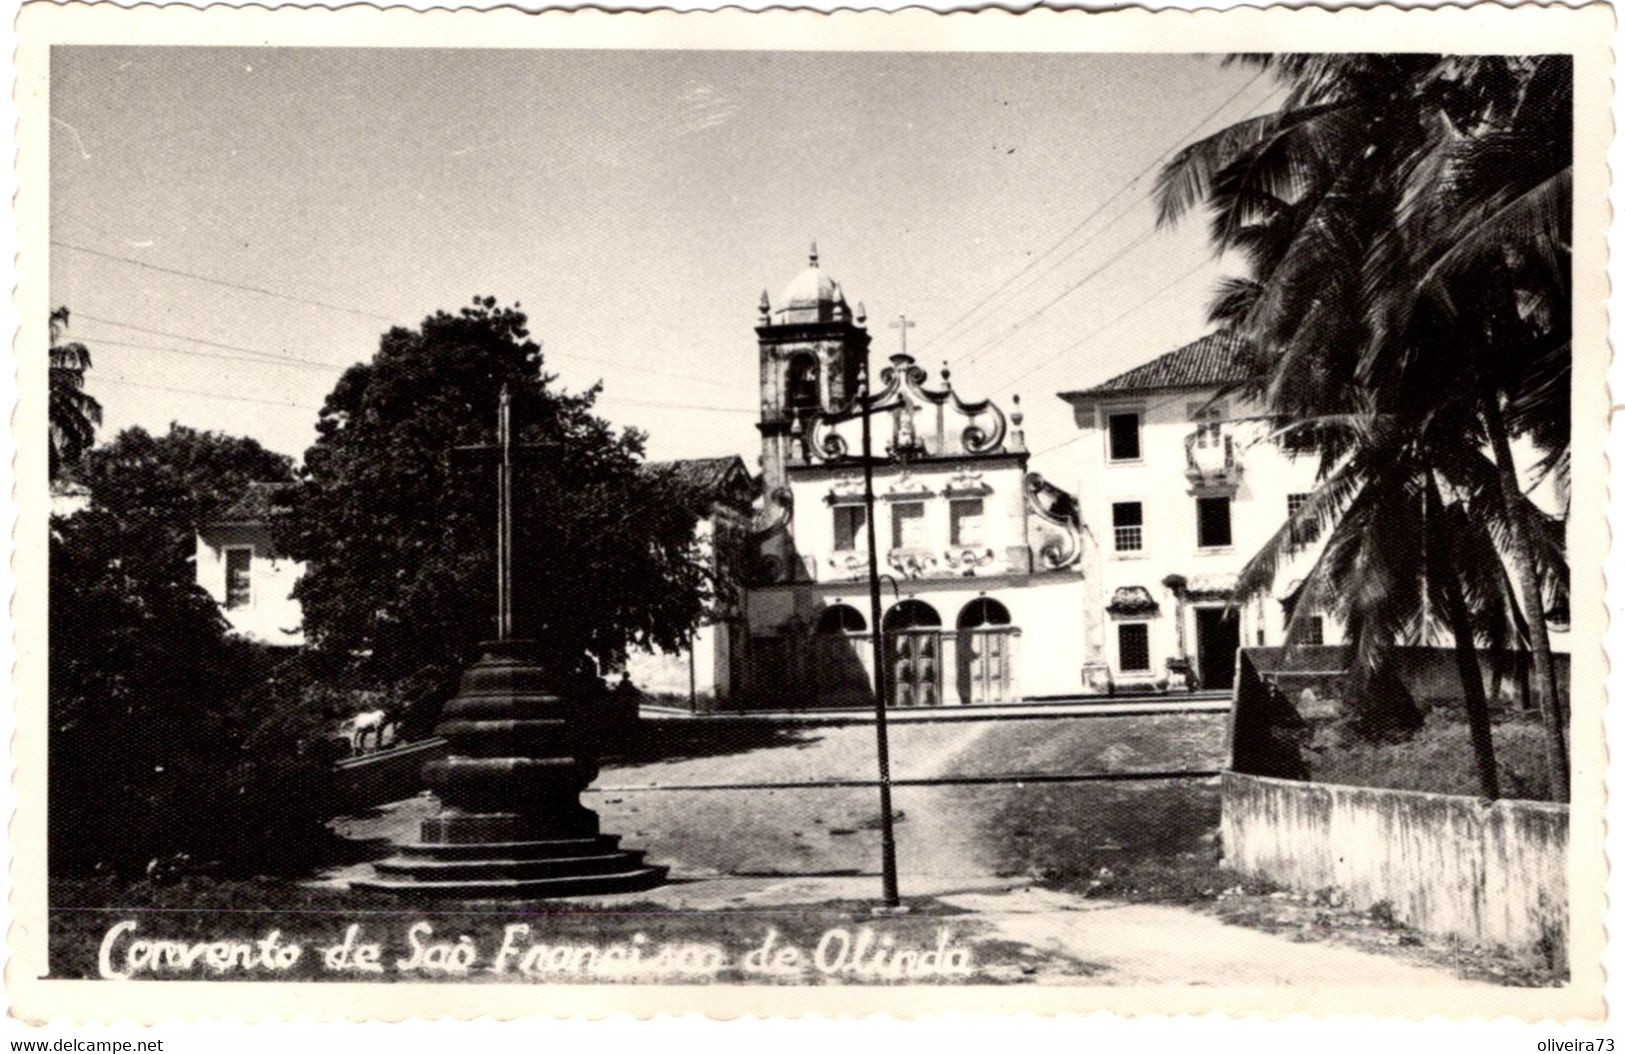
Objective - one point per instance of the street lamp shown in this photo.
(888, 840)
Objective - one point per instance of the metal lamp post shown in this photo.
(888, 840)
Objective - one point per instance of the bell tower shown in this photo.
(810, 345)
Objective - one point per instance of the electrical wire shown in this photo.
(260, 290)
(1141, 174)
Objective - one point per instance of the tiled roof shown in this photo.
(1213, 359)
(710, 477)
(256, 504)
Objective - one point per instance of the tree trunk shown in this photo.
(1521, 555)
(1466, 650)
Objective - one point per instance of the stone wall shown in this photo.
(1490, 872)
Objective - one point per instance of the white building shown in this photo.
(704, 674)
(238, 565)
(1181, 486)
(981, 560)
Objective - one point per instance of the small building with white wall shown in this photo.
(239, 566)
(704, 674)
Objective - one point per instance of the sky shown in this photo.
(635, 204)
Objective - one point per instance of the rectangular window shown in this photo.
(1124, 433)
(1315, 630)
(908, 525)
(1208, 418)
(1128, 523)
(965, 521)
(1212, 522)
(1301, 533)
(1133, 647)
(239, 587)
(850, 521)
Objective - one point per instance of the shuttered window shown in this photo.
(965, 521)
(1133, 647)
(239, 577)
(1212, 522)
(1124, 436)
(849, 524)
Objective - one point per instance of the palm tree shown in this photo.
(1398, 563)
(1385, 194)
(74, 413)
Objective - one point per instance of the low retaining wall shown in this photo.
(370, 780)
(1493, 873)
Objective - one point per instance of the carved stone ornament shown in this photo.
(911, 563)
(849, 565)
(926, 422)
(1210, 587)
(966, 561)
(1056, 534)
(908, 488)
(967, 484)
(1132, 600)
(848, 490)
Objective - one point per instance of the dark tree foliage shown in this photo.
(170, 484)
(399, 540)
(74, 413)
(167, 736)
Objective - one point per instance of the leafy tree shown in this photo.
(74, 413)
(173, 483)
(1405, 223)
(399, 540)
(166, 736)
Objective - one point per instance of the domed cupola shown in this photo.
(811, 345)
(811, 296)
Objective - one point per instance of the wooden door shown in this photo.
(986, 654)
(916, 668)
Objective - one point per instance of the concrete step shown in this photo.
(630, 881)
(534, 850)
(546, 867)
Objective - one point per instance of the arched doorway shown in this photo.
(842, 618)
(914, 653)
(842, 657)
(985, 647)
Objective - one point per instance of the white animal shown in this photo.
(360, 726)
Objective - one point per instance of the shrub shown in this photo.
(1438, 758)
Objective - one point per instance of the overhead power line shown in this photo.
(104, 379)
(1058, 297)
(239, 286)
(269, 355)
(310, 364)
(1093, 333)
(1081, 224)
(1251, 112)
(100, 341)
(676, 406)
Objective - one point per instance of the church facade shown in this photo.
(980, 559)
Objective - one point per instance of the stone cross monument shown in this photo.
(519, 755)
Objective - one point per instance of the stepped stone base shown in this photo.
(511, 825)
(563, 867)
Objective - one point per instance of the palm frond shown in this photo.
(1187, 177)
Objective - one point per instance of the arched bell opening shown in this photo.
(802, 389)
